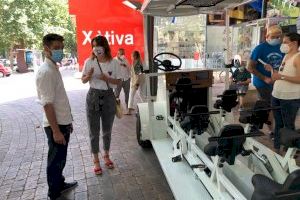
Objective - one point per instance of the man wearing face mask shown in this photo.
(286, 91)
(125, 72)
(268, 52)
(57, 118)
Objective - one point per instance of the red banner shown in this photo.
(121, 25)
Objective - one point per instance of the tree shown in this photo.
(25, 22)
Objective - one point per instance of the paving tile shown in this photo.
(108, 193)
(16, 194)
(3, 197)
(82, 187)
(28, 194)
(81, 196)
(92, 181)
(136, 194)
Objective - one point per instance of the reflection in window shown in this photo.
(183, 36)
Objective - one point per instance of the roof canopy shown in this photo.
(187, 7)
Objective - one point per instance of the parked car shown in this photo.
(4, 71)
(5, 62)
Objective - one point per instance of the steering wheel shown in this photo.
(166, 65)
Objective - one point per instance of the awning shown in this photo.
(187, 7)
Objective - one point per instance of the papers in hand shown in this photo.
(264, 63)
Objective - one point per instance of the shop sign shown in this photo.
(121, 25)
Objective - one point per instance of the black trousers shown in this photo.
(57, 157)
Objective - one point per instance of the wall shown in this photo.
(122, 26)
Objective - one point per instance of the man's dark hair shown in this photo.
(51, 37)
(293, 37)
(121, 50)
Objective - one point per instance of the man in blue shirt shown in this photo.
(268, 52)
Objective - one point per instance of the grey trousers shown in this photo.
(100, 105)
(126, 87)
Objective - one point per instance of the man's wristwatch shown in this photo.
(282, 77)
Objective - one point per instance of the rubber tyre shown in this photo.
(142, 143)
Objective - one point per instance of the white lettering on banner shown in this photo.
(129, 39)
(87, 37)
(119, 40)
(112, 37)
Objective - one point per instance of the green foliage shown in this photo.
(25, 22)
(285, 8)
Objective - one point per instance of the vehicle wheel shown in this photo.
(1, 74)
(142, 143)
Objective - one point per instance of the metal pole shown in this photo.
(228, 51)
(264, 9)
(205, 54)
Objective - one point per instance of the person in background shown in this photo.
(240, 80)
(57, 118)
(125, 72)
(267, 52)
(136, 71)
(102, 73)
(286, 90)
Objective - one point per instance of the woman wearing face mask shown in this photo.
(136, 71)
(102, 73)
(125, 71)
(286, 90)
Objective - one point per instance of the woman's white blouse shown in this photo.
(110, 68)
(283, 89)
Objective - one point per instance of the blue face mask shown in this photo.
(274, 42)
(57, 55)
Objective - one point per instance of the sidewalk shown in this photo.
(23, 154)
(23, 150)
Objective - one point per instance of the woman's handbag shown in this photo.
(119, 108)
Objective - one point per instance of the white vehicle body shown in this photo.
(197, 175)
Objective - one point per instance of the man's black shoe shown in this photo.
(51, 196)
(68, 186)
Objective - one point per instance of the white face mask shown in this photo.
(98, 51)
(274, 42)
(284, 48)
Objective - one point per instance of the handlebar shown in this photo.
(207, 113)
(189, 84)
(229, 95)
(228, 65)
(262, 109)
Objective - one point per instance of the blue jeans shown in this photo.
(284, 117)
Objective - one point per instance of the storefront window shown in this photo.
(243, 39)
(183, 36)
